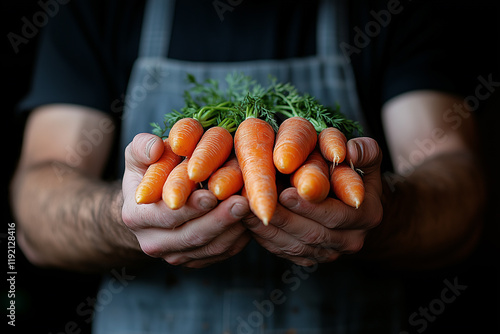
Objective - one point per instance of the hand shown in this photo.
(200, 233)
(307, 233)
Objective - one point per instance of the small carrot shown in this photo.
(244, 192)
(150, 188)
(227, 180)
(184, 136)
(311, 179)
(347, 185)
(332, 143)
(253, 143)
(213, 149)
(178, 186)
(295, 140)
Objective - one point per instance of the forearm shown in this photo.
(71, 220)
(432, 216)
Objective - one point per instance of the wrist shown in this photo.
(119, 237)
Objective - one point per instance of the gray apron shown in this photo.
(253, 292)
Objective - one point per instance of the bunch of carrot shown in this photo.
(231, 140)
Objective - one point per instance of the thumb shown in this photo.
(365, 154)
(144, 149)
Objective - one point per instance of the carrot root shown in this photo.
(213, 149)
(347, 185)
(184, 136)
(311, 179)
(227, 180)
(178, 186)
(253, 142)
(332, 144)
(295, 140)
(151, 186)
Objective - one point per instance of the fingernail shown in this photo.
(239, 210)
(290, 201)
(359, 151)
(150, 144)
(207, 203)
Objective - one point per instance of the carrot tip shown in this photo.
(265, 221)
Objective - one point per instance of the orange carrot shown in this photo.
(253, 143)
(227, 180)
(244, 192)
(295, 140)
(347, 185)
(311, 179)
(151, 186)
(184, 136)
(178, 186)
(332, 143)
(213, 149)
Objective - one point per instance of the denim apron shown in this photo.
(253, 292)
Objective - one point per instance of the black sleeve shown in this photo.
(436, 45)
(85, 55)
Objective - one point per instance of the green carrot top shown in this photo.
(243, 97)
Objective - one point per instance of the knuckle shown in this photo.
(128, 219)
(193, 240)
(314, 236)
(297, 249)
(215, 248)
(338, 218)
(174, 259)
(304, 262)
(150, 249)
(354, 246)
(269, 232)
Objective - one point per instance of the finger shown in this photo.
(366, 155)
(320, 255)
(311, 233)
(202, 257)
(194, 233)
(144, 150)
(281, 237)
(332, 213)
(158, 215)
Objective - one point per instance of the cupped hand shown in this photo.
(308, 233)
(200, 233)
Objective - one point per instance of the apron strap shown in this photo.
(331, 27)
(158, 16)
(325, 29)
(156, 28)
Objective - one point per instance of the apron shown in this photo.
(253, 292)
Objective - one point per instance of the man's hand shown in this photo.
(200, 233)
(307, 233)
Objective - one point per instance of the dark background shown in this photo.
(47, 299)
